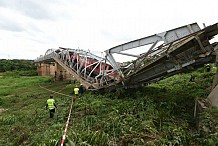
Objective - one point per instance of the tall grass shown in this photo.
(159, 114)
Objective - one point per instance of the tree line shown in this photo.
(16, 65)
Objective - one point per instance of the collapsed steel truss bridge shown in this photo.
(165, 54)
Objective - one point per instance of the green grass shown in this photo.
(26, 122)
(159, 114)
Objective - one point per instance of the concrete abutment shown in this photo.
(54, 70)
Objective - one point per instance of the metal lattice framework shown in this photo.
(91, 70)
(170, 52)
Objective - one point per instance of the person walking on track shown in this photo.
(51, 106)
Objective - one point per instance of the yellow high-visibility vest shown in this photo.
(50, 103)
(76, 90)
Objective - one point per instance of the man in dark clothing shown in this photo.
(51, 106)
(81, 89)
(208, 67)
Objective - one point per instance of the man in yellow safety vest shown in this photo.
(76, 90)
(51, 106)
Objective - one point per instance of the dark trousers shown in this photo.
(52, 111)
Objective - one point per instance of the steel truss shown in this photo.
(177, 49)
(93, 71)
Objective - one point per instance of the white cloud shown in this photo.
(29, 28)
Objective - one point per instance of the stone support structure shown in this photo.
(54, 70)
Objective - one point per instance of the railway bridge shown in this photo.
(163, 54)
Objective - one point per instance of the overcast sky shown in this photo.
(29, 27)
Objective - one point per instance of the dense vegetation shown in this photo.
(158, 114)
(19, 67)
